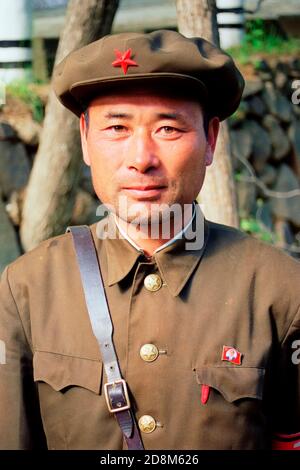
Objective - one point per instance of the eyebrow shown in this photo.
(118, 116)
(171, 116)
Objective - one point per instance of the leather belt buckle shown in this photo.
(107, 388)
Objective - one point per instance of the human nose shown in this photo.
(141, 152)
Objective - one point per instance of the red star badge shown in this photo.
(123, 60)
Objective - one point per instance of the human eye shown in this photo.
(115, 131)
(118, 128)
(169, 131)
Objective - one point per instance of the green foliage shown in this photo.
(258, 38)
(252, 226)
(21, 89)
(263, 38)
(239, 114)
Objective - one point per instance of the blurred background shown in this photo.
(254, 183)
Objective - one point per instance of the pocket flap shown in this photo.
(62, 371)
(233, 382)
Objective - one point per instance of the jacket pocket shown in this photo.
(60, 371)
(234, 383)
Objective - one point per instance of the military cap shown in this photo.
(160, 58)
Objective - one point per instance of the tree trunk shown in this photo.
(218, 195)
(53, 181)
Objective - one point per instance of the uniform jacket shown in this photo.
(234, 291)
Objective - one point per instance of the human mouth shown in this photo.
(144, 192)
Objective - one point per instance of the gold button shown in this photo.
(153, 282)
(147, 424)
(149, 352)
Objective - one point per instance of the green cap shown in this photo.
(160, 58)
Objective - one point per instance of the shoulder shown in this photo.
(272, 275)
(46, 252)
(51, 257)
(248, 246)
(269, 265)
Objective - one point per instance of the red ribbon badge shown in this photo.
(232, 355)
(204, 394)
(286, 442)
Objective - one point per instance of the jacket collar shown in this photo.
(176, 262)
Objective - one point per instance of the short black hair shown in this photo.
(86, 117)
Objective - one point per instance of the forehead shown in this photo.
(147, 97)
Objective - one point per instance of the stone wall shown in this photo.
(19, 137)
(265, 140)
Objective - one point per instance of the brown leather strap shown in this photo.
(97, 306)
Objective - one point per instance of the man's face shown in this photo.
(149, 148)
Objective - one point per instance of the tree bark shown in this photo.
(218, 195)
(53, 181)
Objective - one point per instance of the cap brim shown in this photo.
(83, 92)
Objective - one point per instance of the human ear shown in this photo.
(83, 135)
(209, 155)
(213, 131)
(212, 135)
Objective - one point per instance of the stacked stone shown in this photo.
(18, 145)
(265, 143)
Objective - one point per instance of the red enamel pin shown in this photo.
(123, 60)
(232, 355)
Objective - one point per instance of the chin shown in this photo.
(140, 213)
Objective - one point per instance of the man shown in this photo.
(205, 318)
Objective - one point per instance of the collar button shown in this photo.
(153, 282)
